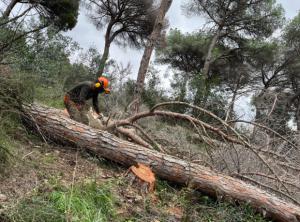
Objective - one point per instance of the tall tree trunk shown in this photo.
(108, 40)
(52, 123)
(103, 58)
(211, 47)
(156, 33)
(231, 105)
(9, 8)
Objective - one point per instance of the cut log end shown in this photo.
(142, 176)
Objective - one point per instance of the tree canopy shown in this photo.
(62, 13)
(231, 22)
(128, 22)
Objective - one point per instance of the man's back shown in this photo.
(83, 91)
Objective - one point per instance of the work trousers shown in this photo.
(77, 112)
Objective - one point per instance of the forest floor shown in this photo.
(52, 183)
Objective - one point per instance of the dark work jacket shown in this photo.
(85, 91)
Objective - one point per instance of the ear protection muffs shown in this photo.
(98, 85)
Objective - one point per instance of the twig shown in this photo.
(38, 129)
(27, 155)
(273, 106)
(156, 145)
(269, 129)
(240, 140)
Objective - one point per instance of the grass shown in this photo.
(35, 209)
(52, 97)
(88, 202)
(5, 150)
(198, 207)
(5, 153)
(9, 126)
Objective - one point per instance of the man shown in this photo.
(75, 99)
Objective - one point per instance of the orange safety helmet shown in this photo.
(105, 83)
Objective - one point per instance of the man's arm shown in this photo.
(95, 104)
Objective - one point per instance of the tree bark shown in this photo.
(209, 53)
(103, 59)
(231, 104)
(107, 43)
(9, 8)
(159, 23)
(52, 123)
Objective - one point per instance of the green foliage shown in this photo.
(84, 202)
(6, 148)
(44, 63)
(274, 116)
(60, 13)
(291, 33)
(17, 30)
(47, 57)
(153, 92)
(262, 52)
(36, 209)
(63, 13)
(184, 52)
(11, 48)
(14, 89)
(129, 24)
(209, 95)
(235, 18)
(50, 96)
(37, 72)
(84, 69)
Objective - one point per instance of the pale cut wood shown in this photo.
(53, 123)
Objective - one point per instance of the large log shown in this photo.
(51, 122)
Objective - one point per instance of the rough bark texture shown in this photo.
(51, 122)
(159, 23)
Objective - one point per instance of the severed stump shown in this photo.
(142, 177)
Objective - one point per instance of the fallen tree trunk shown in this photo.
(52, 123)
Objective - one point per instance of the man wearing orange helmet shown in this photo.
(75, 99)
